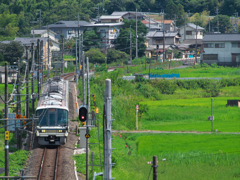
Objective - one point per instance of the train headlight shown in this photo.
(43, 131)
(60, 131)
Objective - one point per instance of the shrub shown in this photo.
(214, 65)
(102, 68)
(95, 56)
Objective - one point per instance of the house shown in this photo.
(169, 25)
(26, 43)
(151, 22)
(108, 32)
(223, 49)
(68, 29)
(130, 15)
(111, 19)
(155, 38)
(189, 32)
(46, 33)
(12, 74)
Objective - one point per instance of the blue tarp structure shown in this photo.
(165, 76)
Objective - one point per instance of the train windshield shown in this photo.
(52, 117)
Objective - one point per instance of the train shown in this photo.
(52, 113)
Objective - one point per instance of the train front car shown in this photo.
(52, 111)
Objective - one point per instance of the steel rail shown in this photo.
(41, 166)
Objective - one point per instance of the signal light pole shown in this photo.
(6, 122)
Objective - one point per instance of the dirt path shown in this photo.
(174, 132)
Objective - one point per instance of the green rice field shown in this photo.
(191, 115)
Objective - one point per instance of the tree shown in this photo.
(180, 15)
(171, 9)
(91, 39)
(123, 40)
(225, 25)
(116, 56)
(114, 5)
(95, 56)
(12, 51)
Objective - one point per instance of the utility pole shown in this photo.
(130, 46)
(41, 63)
(32, 80)
(184, 27)
(38, 72)
(79, 52)
(83, 77)
(196, 45)
(6, 122)
(163, 38)
(175, 21)
(80, 49)
(155, 167)
(88, 119)
(40, 19)
(217, 19)
(209, 25)
(136, 37)
(19, 138)
(106, 47)
(107, 132)
(189, 15)
(236, 21)
(76, 63)
(62, 53)
(27, 88)
(48, 52)
(33, 22)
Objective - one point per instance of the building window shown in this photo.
(220, 45)
(188, 32)
(58, 31)
(159, 41)
(236, 45)
(200, 32)
(208, 45)
(70, 31)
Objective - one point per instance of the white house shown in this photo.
(223, 49)
(46, 33)
(108, 31)
(189, 32)
(12, 74)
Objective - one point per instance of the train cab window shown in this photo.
(52, 119)
(62, 117)
(42, 115)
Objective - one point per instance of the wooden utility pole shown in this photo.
(27, 88)
(130, 45)
(155, 167)
(6, 122)
(38, 67)
(32, 80)
(19, 137)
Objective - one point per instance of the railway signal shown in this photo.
(83, 113)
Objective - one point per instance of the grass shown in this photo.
(227, 72)
(17, 158)
(189, 156)
(190, 115)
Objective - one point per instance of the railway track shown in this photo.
(68, 75)
(49, 163)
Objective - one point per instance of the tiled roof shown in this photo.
(192, 41)
(168, 21)
(116, 13)
(41, 31)
(70, 24)
(221, 37)
(160, 34)
(28, 41)
(110, 17)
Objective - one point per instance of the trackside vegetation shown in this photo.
(180, 106)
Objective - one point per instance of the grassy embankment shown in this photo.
(173, 106)
(17, 158)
